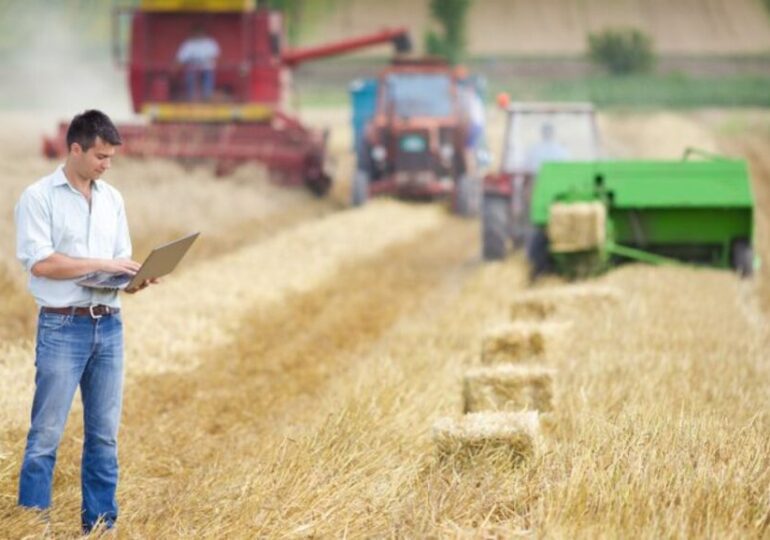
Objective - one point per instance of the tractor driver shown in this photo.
(547, 149)
(198, 55)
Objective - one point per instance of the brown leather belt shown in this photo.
(95, 312)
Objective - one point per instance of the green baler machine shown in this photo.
(694, 211)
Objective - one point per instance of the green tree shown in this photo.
(450, 42)
(300, 16)
(621, 51)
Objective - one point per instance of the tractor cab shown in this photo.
(535, 134)
(412, 94)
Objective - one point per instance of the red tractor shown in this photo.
(413, 129)
(244, 119)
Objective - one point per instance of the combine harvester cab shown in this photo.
(245, 119)
(415, 137)
(589, 216)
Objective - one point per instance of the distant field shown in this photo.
(556, 27)
(675, 90)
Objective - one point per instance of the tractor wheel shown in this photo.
(467, 199)
(742, 257)
(538, 253)
(360, 188)
(319, 186)
(494, 226)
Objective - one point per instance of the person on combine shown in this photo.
(198, 56)
(69, 224)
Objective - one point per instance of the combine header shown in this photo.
(245, 118)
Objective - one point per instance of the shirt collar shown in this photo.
(60, 179)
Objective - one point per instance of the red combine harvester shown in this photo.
(245, 118)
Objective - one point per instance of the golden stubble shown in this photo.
(305, 408)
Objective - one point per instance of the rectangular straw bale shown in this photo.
(541, 304)
(577, 226)
(537, 307)
(507, 437)
(508, 387)
(519, 342)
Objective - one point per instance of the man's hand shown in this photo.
(146, 283)
(120, 266)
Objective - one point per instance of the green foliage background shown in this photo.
(621, 51)
(452, 17)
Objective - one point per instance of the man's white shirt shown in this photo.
(52, 216)
(200, 52)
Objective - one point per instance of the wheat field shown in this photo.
(284, 382)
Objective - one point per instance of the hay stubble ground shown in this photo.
(304, 409)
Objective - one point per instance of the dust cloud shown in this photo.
(55, 60)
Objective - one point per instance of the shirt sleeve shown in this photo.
(183, 54)
(123, 237)
(33, 229)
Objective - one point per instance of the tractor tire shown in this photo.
(360, 188)
(468, 198)
(319, 186)
(538, 253)
(742, 258)
(494, 227)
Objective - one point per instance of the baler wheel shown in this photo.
(494, 224)
(538, 253)
(319, 186)
(742, 257)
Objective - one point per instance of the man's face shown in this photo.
(93, 163)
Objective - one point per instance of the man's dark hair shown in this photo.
(87, 126)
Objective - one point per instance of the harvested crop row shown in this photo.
(202, 307)
(163, 201)
(264, 385)
(364, 464)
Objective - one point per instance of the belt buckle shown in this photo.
(94, 315)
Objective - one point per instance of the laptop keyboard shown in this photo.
(118, 279)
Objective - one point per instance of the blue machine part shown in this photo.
(363, 97)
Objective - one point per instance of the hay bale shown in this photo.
(508, 437)
(519, 342)
(535, 306)
(508, 387)
(541, 304)
(577, 226)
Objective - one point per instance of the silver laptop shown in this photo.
(161, 261)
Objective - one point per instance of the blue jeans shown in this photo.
(76, 350)
(199, 83)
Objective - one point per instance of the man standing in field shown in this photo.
(70, 224)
